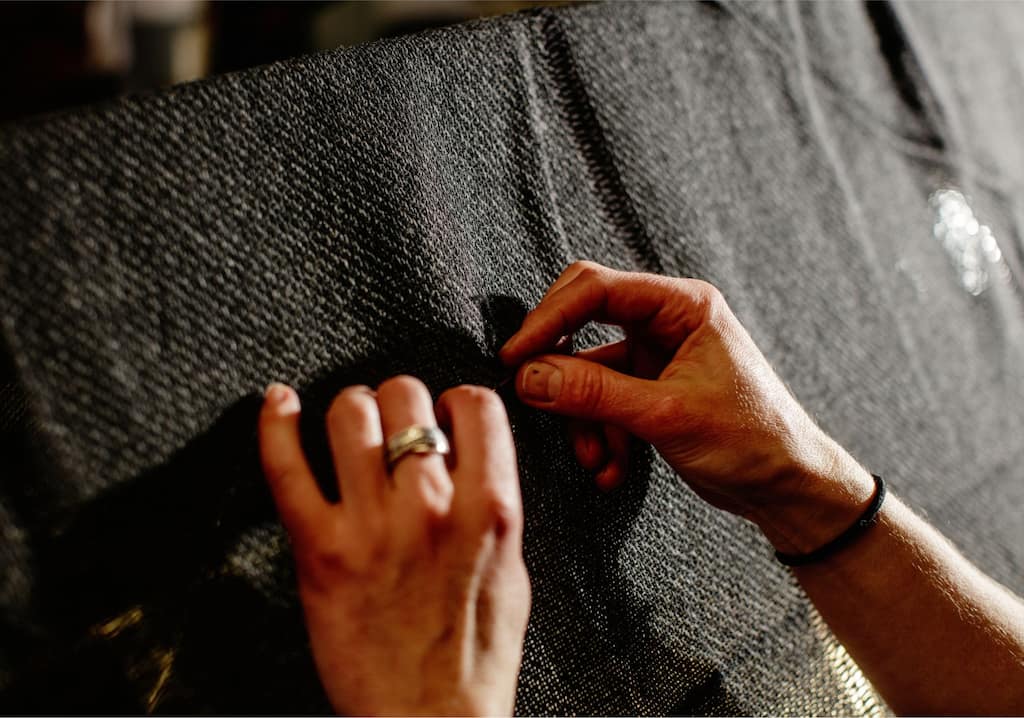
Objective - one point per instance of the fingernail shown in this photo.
(282, 399)
(542, 381)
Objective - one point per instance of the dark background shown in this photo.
(56, 55)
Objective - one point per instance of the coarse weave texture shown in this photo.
(398, 207)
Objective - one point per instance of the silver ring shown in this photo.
(415, 439)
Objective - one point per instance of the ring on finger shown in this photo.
(415, 439)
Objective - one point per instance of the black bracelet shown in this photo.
(867, 519)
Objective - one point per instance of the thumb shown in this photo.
(586, 390)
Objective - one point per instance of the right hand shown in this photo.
(689, 380)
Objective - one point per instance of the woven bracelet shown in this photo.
(867, 519)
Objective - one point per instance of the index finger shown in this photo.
(668, 309)
(568, 274)
(302, 507)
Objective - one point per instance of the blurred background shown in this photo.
(57, 55)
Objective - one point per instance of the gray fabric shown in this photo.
(397, 207)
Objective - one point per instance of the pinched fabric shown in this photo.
(398, 207)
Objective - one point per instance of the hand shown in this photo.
(414, 589)
(689, 380)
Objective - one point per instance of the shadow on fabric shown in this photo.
(174, 592)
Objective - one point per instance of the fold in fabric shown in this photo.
(398, 207)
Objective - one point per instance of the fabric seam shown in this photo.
(585, 127)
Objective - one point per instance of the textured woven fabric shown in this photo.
(396, 208)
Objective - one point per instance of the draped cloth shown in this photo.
(397, 207)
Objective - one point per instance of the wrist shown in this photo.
(818, 496)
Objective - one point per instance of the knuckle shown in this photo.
(432, 487)
(584, 264)
(434, 512)
(350, 404)
(577, 265)
(402, 383)
(476, 398)
(344, 405)
(709, 293)
(329, 562)
(590, 273)
(321, 570)
(664, 413)
(564, 320)
(504, 515)
(356, 392)
(320, 559)
(334, 555)
(585, 389)
(494, 513)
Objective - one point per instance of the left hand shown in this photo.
(414, 588)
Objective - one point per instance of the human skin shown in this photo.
(932, 633)
(413, 586)
(689, 380)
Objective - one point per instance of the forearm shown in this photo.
(932, 633)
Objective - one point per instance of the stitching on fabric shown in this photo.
(578, 111)
(552, 201)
